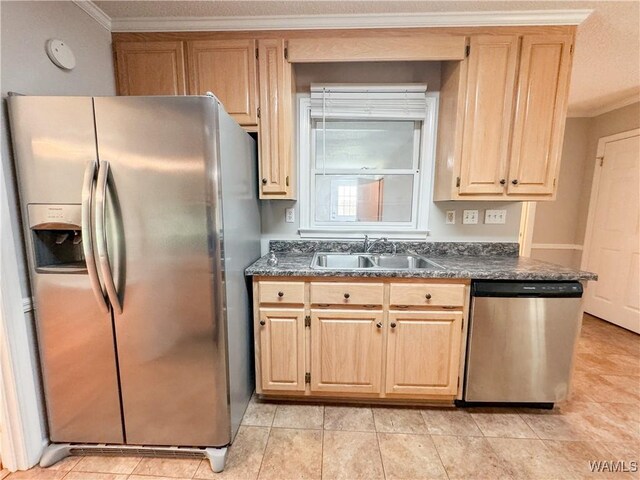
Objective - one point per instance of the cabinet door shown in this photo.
(488, 112)
(541, 106)
(276, 121)
(423, 352)
(281, 348)
(346, 351)
(150, 68)
(227, 68)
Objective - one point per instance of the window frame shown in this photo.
(424, 160)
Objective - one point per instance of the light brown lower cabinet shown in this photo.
(406, 345)
(281, 333)
(423, 352)
(346, 351)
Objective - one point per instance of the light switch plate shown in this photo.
(451, 217)
(470, 217)
(289, 215)
(495, 216)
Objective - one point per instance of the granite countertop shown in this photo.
(476, 263)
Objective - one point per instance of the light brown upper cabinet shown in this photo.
(277, 164)
(491, 84)
(150, 68)
(502, 118)
(545, 64)
(227, 68)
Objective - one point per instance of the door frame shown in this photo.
(527, 223)
(23, 436)
(595, 187)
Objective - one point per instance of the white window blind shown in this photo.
(405, 102)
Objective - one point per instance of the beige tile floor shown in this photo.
(278, 441)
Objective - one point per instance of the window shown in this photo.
(366, 156)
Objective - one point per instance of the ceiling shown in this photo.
(606, 68)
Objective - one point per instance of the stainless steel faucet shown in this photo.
(369, 245)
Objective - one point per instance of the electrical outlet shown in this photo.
(451, 217)
(495, 216)
(470, 217)
(289, 215)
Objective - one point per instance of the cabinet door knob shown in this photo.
(263, 323)
(393, 325)
(264, 181)
(428, 296)
(281, 294)
(379, 324)
(346, 295)
(514, 181)
(503, 181)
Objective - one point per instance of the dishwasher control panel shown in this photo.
(527, 289)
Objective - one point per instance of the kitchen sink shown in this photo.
(403, 261)
(366, 261)
(342, 261)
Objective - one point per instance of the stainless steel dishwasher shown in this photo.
(522, 337)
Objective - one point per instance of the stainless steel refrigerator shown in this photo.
(140, 215)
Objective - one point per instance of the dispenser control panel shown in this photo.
(47, 216)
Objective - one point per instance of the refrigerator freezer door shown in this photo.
(171, 332)
(54, 141)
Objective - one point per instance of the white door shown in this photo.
(612, 243)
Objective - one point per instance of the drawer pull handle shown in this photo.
(263, 323)
(428, 296)
(393, 325)
(264, 181)
(514, 181)
(379, 324)
(346, 295)
(281, 294)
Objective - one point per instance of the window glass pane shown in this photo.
(364, 144)
(363, 198)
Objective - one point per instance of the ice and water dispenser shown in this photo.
(56, 236)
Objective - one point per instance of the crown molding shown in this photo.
(609, 107)
(95, 12)
(311, 22)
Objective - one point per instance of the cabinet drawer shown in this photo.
(282, 292)
(346, 293)
(427, 295)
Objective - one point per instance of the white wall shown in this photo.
(275, 228)
(24, 67)
(273, 224)
(564, 221)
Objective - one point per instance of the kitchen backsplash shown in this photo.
(274, 226)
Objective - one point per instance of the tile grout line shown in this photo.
(426, 424)
(267, 443)
(528, 426)
(264, 450)
(384, 472)
(322, 448)
(444, 467)
(324, 411)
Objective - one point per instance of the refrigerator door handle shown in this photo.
(101, 237)
(87, 236)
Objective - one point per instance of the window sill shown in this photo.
(342, 233)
